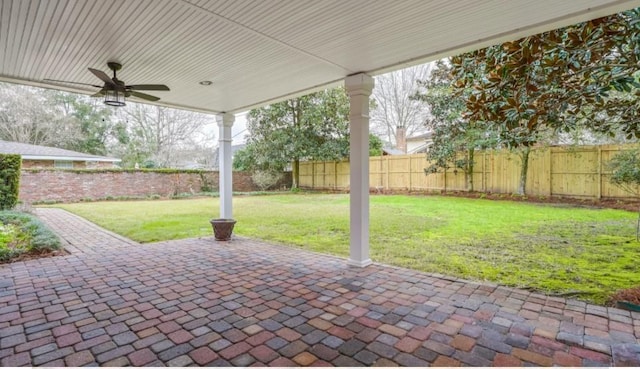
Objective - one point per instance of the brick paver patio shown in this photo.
(244, 302)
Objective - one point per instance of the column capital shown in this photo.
(359, 84)
(225, 119)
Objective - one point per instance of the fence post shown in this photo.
(444, 185)
(387, 186)
(487, 172)
(335, 175)
(484, 170)
(599, 194)
(324, 175)
(380, 172)
(550, 171)
(410, 173)
(485, 185)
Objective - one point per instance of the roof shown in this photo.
(257, 52)
(390, 151)
(419, 149)
(234, 148)
(420, 137)
(35, 152)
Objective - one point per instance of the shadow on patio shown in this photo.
(244, 302)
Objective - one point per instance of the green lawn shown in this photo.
(588, 253)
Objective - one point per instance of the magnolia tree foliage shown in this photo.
(585, 74)
(311, 127)
(452, 133)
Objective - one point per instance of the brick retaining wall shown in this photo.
(74, 185)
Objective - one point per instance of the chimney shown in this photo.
(401, 139)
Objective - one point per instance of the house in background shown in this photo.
(39, 157)
(391, 151)
(418, 144)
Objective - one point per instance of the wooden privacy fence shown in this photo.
(553, 171)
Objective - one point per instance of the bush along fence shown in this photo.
(69, 185)
(553, 171)
(9, 180)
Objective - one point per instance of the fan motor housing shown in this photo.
(114, 66)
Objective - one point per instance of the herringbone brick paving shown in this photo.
(249, 303)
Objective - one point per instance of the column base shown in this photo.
(358, 263)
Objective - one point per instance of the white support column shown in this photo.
(359, 87)
(225, 173)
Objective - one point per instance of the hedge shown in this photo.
(9, 180)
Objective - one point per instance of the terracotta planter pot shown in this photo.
(222, 228)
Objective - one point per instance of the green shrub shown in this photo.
(625, 167)
(46, 202)
(9, 180)
(22, 233)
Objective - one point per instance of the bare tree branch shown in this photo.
(394, 106)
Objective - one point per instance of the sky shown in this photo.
(238, 131)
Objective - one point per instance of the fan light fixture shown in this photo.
(114, 98)
(114, 90)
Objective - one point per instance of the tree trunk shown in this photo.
(524, 157)
(295, 174)
(469, 170)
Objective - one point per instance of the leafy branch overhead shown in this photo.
(557, 79)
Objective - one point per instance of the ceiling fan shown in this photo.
(115, 90)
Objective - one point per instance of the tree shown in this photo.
(154, 135)
(94, 121)
(554, 81)
(311, 127)
(375, 145)
(393, 106)
(32, 115)
(54, 118)
(244, 159)
(452, 133)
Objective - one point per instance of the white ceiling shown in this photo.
(253, 51)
